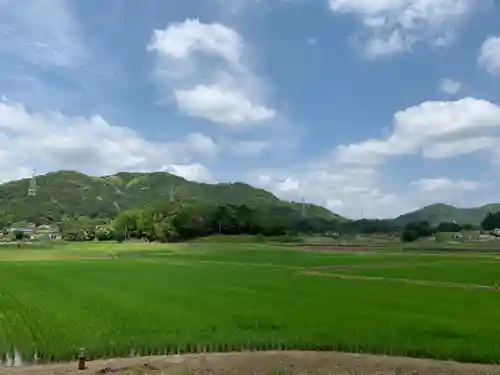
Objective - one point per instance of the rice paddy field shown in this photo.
(141, 299)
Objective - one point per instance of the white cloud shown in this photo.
(449, 86)
(450, 149)
(201, 144)
(489, 56)
(52, 141)
(353, 192)
(192, 172)
(222, 105)
(348, 181)
(356, 191)
(394, 26)
(440, 184)
(429, 127)
(202, 65)
(41, 32)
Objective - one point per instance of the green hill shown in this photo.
(72, 193)
(438, 213)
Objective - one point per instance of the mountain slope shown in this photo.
(73, 193)
(438, 213)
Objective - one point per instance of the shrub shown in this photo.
(409, 235)
(17, 235)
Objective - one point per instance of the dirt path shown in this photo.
(448, 284)
(265, 363)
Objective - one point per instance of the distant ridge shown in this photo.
(73, 193)
(440, 212)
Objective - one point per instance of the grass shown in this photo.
(184, 298)
(268, 255)
(485, 272)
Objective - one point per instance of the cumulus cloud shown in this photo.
(449, 86)
(437, 129)
(453, 148)
(358, 191)
(201, 144)
(394, 26)
(489, 55)
(192, 172)
(222, 105)
(349, 180)
(202, 66)
(52, 141)
(353, 192)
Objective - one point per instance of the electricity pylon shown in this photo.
(32, 188)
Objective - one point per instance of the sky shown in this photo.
(371, 108)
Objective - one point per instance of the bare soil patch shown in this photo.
(448, 284)
(265, 363)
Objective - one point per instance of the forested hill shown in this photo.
(440, 213)
(71, 193)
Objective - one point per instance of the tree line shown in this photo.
(184, 220)
(187, 219)
(417, 229)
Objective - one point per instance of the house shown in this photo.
(27, 231)
(50, 236)
(24, 230)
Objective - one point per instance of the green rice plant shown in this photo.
(149, 307)
(474, 272)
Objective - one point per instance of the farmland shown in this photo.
(156, 299)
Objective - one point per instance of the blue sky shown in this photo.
(370, 108)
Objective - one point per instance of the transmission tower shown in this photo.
(32, 188)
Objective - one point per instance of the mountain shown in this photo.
(438, 213)
(73, 193)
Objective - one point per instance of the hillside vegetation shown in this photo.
(69, 193)
(440, 213)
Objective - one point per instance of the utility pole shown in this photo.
(32, 187)
(303, 207)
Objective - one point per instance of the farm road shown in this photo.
(262, 363)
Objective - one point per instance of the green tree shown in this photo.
(491, 221)
(17, 235)
(448, 227)
(105, 234)
(409, 235)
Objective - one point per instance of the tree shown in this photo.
(165, 231)
(491, 221)
(409, 235)
(118, 236)
(448, 227)
(105, 234)
(126, 222)
(17, 235)
(421, 228)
